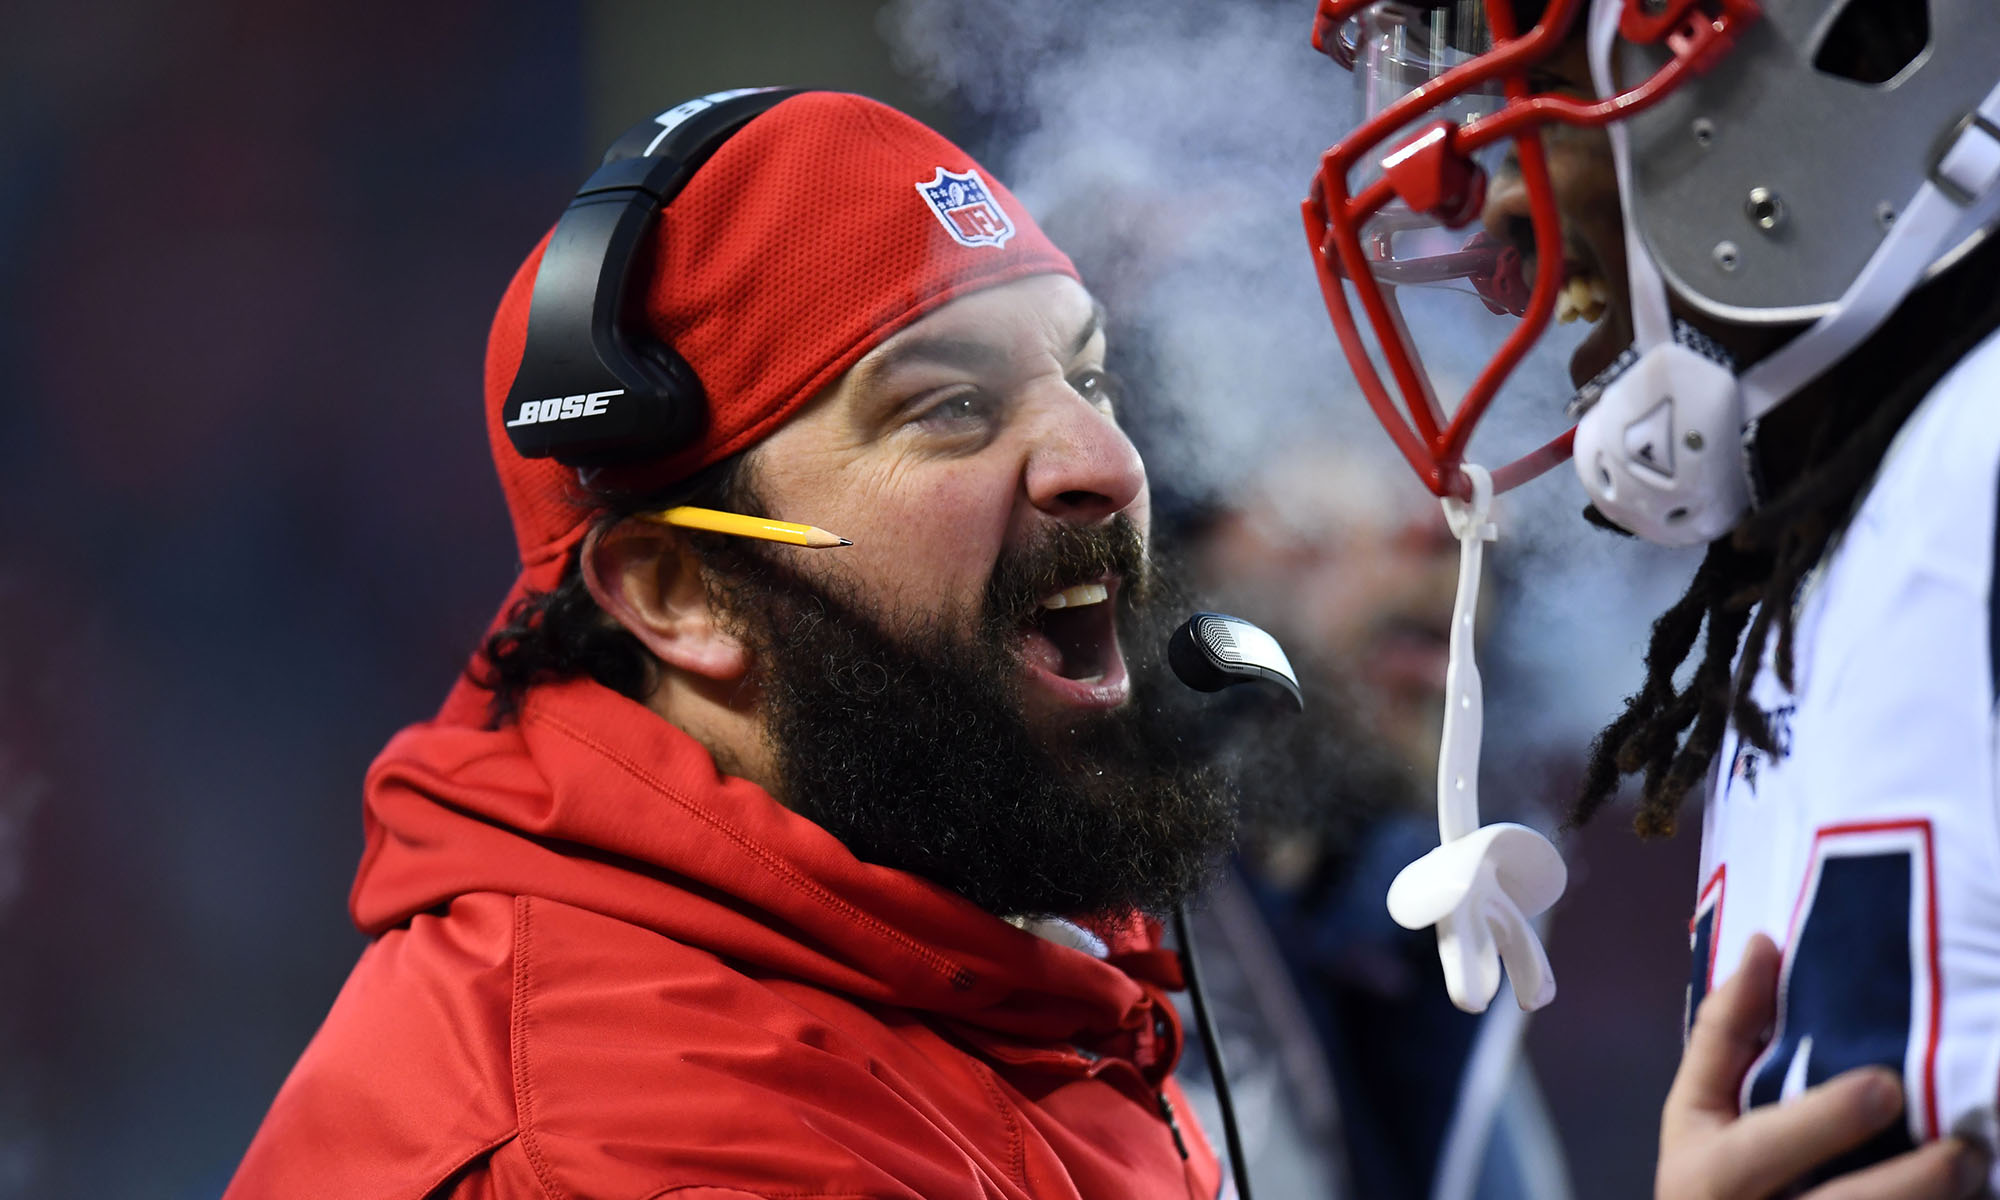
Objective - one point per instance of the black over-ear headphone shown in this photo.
(595, 389)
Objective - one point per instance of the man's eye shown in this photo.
(957, 410)
(1101, 388)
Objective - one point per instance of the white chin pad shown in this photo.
(1661, 452)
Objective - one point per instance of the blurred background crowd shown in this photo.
(248, 527)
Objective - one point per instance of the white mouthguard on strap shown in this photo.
(1481, 886)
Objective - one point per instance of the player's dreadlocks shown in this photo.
(1751, 577)
(563, 634)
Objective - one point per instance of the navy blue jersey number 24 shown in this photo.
(1859, 983)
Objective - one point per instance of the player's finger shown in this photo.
(1729, 1032)
(1773, 1145)
(1944, 1170)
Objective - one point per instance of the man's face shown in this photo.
(976, 429)
(950, 695)
(1586, 191)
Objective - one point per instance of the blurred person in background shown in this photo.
(1350, 1068)
(733, 869)
(1779, 217)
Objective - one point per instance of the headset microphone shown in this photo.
(1211, 651)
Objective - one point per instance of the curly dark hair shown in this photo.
(1749, 579)
(563, 634)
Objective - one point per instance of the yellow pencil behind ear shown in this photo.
(737, 525)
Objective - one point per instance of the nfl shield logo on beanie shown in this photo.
(966, 208)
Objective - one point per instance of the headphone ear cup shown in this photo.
(683, 402)
(595, 388)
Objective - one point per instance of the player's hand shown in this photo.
(1708, 1152)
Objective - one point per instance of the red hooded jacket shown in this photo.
(603, 970)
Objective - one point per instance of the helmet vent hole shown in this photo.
(1676, 514)
(1872, 41)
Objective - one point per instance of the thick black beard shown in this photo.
(913, 749)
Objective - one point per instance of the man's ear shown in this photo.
(648, 579)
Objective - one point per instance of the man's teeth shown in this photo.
(1583, 296)
(1081, 594)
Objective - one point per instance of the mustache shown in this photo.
(744, 575)
(1062, 556)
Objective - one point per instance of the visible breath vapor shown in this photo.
(1167, 146)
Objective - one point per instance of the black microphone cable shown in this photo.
(1209, 652)
(1211, 1045)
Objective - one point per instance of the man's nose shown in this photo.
(1081, 466)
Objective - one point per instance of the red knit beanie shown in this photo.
(816, 232)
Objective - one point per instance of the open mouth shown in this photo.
(1070, 645)
(1588, 297)
(1585, 297)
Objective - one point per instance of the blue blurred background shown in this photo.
(248, 527)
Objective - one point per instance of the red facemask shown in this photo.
(1446, 90)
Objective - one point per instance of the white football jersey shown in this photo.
(1868, 847)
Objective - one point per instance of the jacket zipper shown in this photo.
(1173, 1126)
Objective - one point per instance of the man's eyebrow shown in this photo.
(965, 354)
(1090, 329)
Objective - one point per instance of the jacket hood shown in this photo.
(593, 800)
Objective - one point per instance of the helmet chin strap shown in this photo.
(1662, 451)
(1483, 883)
(1651, 324)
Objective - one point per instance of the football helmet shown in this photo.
(1769, 175)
